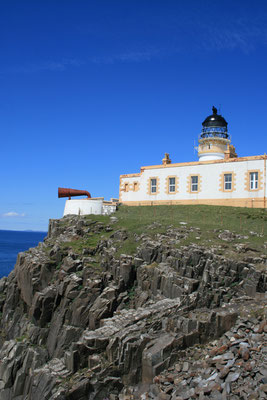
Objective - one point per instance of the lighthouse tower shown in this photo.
(214, 141)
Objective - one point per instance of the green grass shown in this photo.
(89, 241)
(97, 218)
(21, 338)
(128, 247)
(138, 220)
(236, 219)
(94, 266)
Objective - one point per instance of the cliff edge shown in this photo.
(102, 310)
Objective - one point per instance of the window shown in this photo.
(172, 185)
(227, 181)
(253, 180)
(135, 186)
(126, 187)
(153, 185)
(194, 183)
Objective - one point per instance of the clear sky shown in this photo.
(91, 89)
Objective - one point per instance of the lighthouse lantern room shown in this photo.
(214, 141)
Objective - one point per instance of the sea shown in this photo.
(11, 243)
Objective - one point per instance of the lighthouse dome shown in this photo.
(214, 126)
(214, 120)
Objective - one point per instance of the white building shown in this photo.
(87, 206)
(97, 206)
(218, 178)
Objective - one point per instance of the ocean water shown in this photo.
(11, 243)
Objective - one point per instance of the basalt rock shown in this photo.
(81, 321)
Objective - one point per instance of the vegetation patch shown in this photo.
(204, 223)
(21, 338)
(139, 219)
(128, 246)
(89, 242)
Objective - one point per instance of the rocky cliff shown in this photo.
(81, 320)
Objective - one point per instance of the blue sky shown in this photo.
(93, 89)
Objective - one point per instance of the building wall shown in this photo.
(108, 209)
(89, 206)
(83, 207)
(134, 188)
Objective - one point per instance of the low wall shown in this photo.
(83, 207)
(248, 202)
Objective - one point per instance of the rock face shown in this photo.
(81, 321)
(234, 367)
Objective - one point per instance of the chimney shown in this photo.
(166, 160)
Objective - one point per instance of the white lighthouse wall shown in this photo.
(83, 207)
(211, 156)
(211, 188)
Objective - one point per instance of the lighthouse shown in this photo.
(214, 141)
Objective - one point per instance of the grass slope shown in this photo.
(206, 220)
(243, 221)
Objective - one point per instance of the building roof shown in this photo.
(195, 163)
